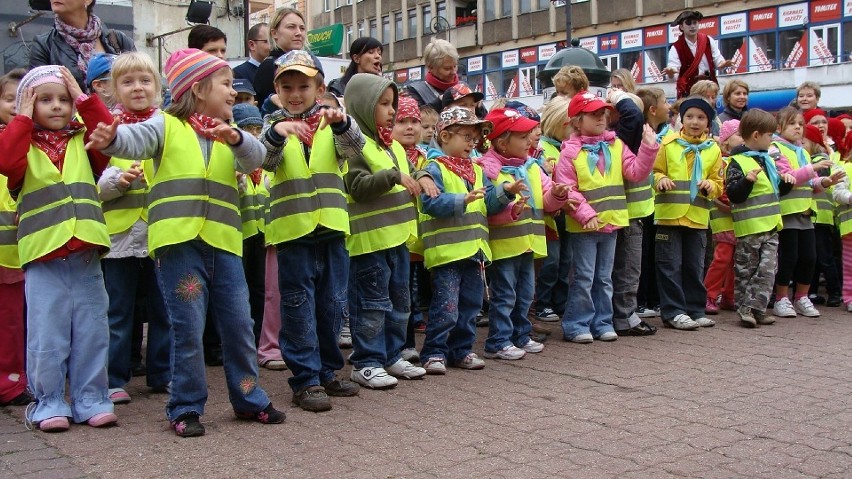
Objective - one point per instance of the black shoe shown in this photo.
(269, 415)
(834, 301)
(816, 299)
(341, 388)
(188, 425)
(540, 337)
(312, 398)
(641, 329)
(138, 370)
(20, 400)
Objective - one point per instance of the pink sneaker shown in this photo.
(710, 307)
(54, 424)
(103, 419)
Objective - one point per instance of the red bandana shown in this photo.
(54, 142)
(386, 135)
(439, 84)
(201, 123)
(413, 154)
(313, 122)
(127, 117)
(460, 166)
(256, 176)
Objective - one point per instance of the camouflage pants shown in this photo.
(755, 264)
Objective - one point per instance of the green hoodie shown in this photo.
(360, 98)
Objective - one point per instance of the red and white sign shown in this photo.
(591, 43)
(546, 52)
(510, 59)
(735, 23)
(739, 60)
(652, 70)
(674, 33)
(401, 76)
(847, 8)
(824, 10)
(631, 39)
(474, 64)
(529, 55)
(636, 70)
(414, 73)
(608, 42)
(820, 54)
(656, 35)
(798, 55)
(709, 26)
(527, 79)
(758, 61)
(793, 15)
(763, 19)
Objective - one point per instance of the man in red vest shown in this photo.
(694, 56)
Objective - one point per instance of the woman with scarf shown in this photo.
(76, 36)
(442, 63)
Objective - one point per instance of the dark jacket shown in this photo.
(264, 76)
(50, 49)
(731, 114)
(737, 187)
(246, 70)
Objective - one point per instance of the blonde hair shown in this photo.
(650, 96)
(428, 111)
(730, 87)
(553, 118)
(703, 87)
(623, 74)
(131, 62)
(570, 80)
(438, 50)
(276, 21)
(812, 85)
(187, 104)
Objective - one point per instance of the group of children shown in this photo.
(310, 229)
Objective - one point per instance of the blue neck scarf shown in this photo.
(665, 131)
(551, 141)
(800, 152)
(520, 173)
(594, 155)
(697, 165)
(769, 165)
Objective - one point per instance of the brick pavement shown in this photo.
(721, 402)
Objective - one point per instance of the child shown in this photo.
(245, 92)
(796, 240)
(194, 229)
(454, 229)
(570, 80)
(687, 178)
(753, 186)
(428, 120)
(308, 222)
(13, 378)
(517, 237)
(708, 90)
(842, 195)
(60, 232)
(461, 95)
(98, 79)
(382, 219)
(719, 280)
(127, 268)
(595, 164)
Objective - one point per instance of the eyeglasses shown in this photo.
(469, 139)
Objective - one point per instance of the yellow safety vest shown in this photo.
(604, 192)
(251, 210)
(305, 195)
(550, 151)
(56, 206)
(8, 229)
(844, 212)
(446, 240)
(761, 212)
(389, 220)
(721, 222)
(189, 200)
(823, 201)
(123, 212)
(801, 198)
(676, 203)
(527, 233)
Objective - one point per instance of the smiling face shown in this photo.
(514, 145)
(459, 141)
(407, 131)
(806, 99)
(53, 106)
(445, 70)
(385, 111)
(297, 91)
(136, 90)
(7, 102)
(217, 100)
(290, 33)
(369, 61)
(695, 122)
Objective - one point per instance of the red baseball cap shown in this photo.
(507, 119)
(586, 102)
(812, 133)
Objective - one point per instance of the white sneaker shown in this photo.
(608, 336)
(682, 322)
(373, 378)
(435, 366)
(344, 341)
(275, 365)
(410, 354)
(509, 353)
(804, 307)
(784, 309)
(849, 307)
(705, 322)
(584, 338)
(471, 361)
(547, 315)
(406, 370)
(533, 347)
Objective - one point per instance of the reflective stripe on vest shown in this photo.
(527, 232)
(604, 193)
(675, 204)
(306, 193)
(800, 198)
(251, 210)
(844, 212)
(8, 229)
(389, 220)
(640, 198)
(122, 212)
(54, 207)
(189, 199)
(761, 211)
(446, 240)
(720, 222)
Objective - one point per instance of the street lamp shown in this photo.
(197, 13)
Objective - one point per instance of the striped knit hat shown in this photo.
(189, 66)
(36, 77)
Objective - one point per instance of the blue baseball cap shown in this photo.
(241, 85)
(98, 66)
(246, 114)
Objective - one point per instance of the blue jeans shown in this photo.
(457, 298)
(379, 306)
(512, 283)
(590, 294)
(551, 289)
(123, 278)
(195, 277)
(67, 334)
(312, 279)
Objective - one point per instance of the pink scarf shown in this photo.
(83, 41)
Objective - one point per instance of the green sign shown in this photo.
(326, 41)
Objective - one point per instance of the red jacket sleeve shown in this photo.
(93, 111)
(15, 144)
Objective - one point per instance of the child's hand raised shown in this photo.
(837, 176)
(592, 224)
(102, 136)
(823, 165)
(704, 186)
(224, 132)
(520, 204)
(560, 189)
(515, 188)
(788, 178)
(428, 186)
(665, 184)
(333, 115)
(70, 83)
(752, 175)
(408, 182)
(287, 128)
(474, 195)
(649, 136)
(27, 103)
(130, 175)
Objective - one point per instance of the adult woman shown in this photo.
(622, 79)
(442, 62)
(76, 36)
(366, 56)
(735, 99)
(286, 32)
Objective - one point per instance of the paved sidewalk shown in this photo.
(721, 402)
